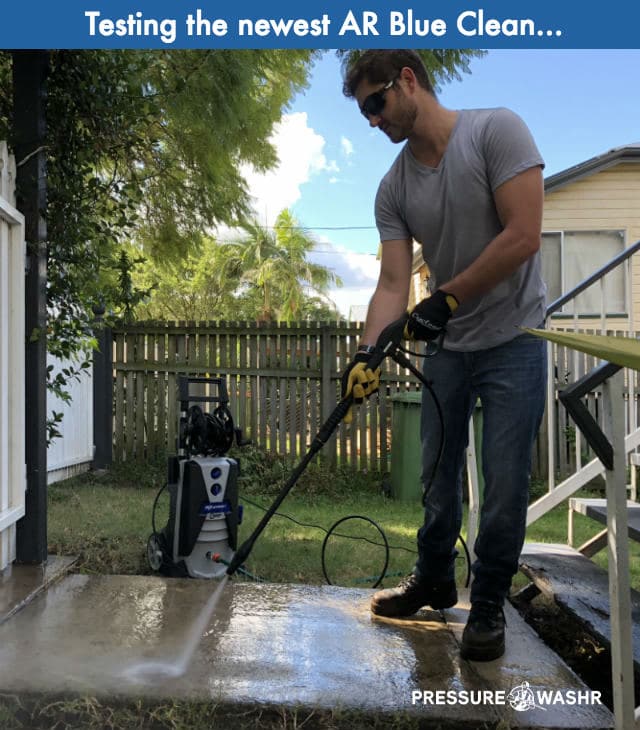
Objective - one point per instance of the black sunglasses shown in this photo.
(374, 103)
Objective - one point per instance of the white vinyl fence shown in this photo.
(12, 381)
(72, 452)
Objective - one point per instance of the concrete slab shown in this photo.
(20, 584)
(307, 646)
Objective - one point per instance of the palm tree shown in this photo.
(274, 261)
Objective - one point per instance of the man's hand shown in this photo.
(428, 319)
(359, 379)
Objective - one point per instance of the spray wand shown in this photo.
(387, 344)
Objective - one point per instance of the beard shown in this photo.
(404, 116)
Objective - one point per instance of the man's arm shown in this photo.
(519, 204)
(389, 301)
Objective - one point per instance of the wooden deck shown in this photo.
(580, 587)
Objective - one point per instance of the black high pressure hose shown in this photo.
(388, 344)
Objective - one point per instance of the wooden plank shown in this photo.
(252, 361)
(161, 384)
(223, 351)
(273, 423)
(141, 377)
(262, 390)
(151, 399)
(284, 407)
(185, 369)
(372, 446)
(293, 397)
(130, 433)
(118, 426)
(327, 355)
(305, 436)
(579, 586)
(232, 379)
(346, 351)
(172, 392)
(596, 509)
(243, 405)
(314, 390)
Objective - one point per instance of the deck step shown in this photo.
(580, 587)
(596, 509)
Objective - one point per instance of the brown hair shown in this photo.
(381, 66)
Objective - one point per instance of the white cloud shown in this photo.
(301, 155)
(347, 146)
(358, 271)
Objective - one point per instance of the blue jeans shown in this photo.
(510, 381)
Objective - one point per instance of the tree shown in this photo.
(443, 64)
(265, 275)
(145, 145)
(148, 145)
(275, 264)
(200, 286)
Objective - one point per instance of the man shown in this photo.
(467, 185)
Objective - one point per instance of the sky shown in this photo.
(577, 103)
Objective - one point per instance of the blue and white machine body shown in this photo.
(207, 515)
(204, 512)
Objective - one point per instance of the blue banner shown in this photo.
(314, 24)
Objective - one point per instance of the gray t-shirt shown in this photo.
(451, 212)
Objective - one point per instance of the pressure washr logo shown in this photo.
(520, 698)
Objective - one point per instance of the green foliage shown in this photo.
(218, 112)
(148, 146)
(274, 265)
(443, 64)
(266, 275)
(145, 145)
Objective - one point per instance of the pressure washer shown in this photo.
(204, 512)
(200, 538)
(388, 345)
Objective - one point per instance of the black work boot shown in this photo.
(483, 636)
(412, 594)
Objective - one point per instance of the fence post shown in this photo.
(327, 394)
(30, 70)
(102, 392)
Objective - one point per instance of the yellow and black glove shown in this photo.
(428, 319)
(359, 379)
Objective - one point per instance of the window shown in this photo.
(570, 257)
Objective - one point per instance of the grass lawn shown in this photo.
(106, 520)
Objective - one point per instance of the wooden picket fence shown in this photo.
(283, 383)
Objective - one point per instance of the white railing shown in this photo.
(584, 470)
(12, 384)
(555, 418)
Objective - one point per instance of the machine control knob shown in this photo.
(216, 489)
(216, 472)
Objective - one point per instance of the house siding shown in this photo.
(606, 200)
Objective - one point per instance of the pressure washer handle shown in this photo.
(387, 344)
(388, 341)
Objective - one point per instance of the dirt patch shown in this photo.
(567, 637)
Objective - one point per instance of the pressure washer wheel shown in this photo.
(155, 552)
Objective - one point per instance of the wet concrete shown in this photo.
(20, 584)
(313, 646)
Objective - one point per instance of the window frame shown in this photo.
(562, 314)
